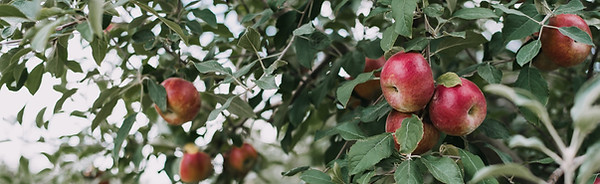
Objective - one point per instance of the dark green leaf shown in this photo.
(99, 50)
(304, 29)
(517, 25)
(20, 115)
(250, 40)
(388, 39)
(528, 52)
(490, 73)
(371, 49)
(266, 82)
(86, 31)
(214, 113)
(474, 13)
(105, 111)
(40, 40)
(403, 12)
(211, 66)
(295, 171)
(194, 26)
(207, 16)
(416, 44)
(238, 106)
(174, 26)
(121, 135)
(350, 131)
(532, 80)
(142, 36)
(313, 176)
(434, 10)
(453, 45)
(39, 119)
(96, 10)
(571, 7)
(344, 92)
(10, 11)
(158, 94)
(375, 112)
(353, 63)
(35, 79)
(506, 170)
(471, 164)
(494, 129)
(576, 34)
(304, 52)
(408, 172)
(366, 153)
(443, 169)
(61, 101)
(409, 134)
(29, 8)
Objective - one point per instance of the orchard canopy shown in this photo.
(80, 86)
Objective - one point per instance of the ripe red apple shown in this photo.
(597, 180)
(430, 134)
(371, 89)
(458, 110)
(183, 101)
(407, 82)
(560, 49)
(195, 165)
(239, 160)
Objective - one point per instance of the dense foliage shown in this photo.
(294, 64)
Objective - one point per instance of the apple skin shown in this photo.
(183, 101)
(195, 165)
(560, 49)
(371, 89)
(458, 110)
(407, 82)
(430, 134)
(240, 160)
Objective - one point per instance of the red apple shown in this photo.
(407, 82)
(195, 165)
(560, 49)
(183, 101)
(240, 160)
(597, 180)
(371, 89)
(430, 134)
(458, 110)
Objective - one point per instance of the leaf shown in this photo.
(521, 98)
(238, 106)
(576, 34)
(416, 44)
(353, 63)
(517, 25)
(85, 31)
(20, 115)
(528, 52)
(509, 11)
(313, 176)
(532, 142)
(344, 92)
(266, 82)
(434, 10)
(365, 178)
(211, 66)
(474, 13)
(61, 101)
(350, 131)
(304, 29)
(408, 172)
(375, 112)
(250, 40)
(39, 118)
(99, 50)
(453, 45)
(449, 79)
(28, 7)
(494, 129)
(214, 113)
(10, 11)
(490, 73)
(443, 169)
(571, 7)
(95, 8)
(104, 112)
(388, 39)
(403, 12)
(590, 166)
(368, 152)
(40, 40)
(207, 16)
(142, 36)
(158, 94)
(175, 27)
(532, 80)
(507, 170)
(409, 134)
(471, 164)
(121, 135)
(585, 111)
(295, 171)
(35, 79)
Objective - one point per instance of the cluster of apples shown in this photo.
(559, 50)
(407, 84)
(183, 104)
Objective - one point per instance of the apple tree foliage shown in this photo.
(290, 67)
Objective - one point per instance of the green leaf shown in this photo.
(313, 176)
(194, 26)
(207, 16)
(449, 79)
(212, 66)
(409, 134)
(434, 10)
(10, 11)
(39, 118)
(453, 45)
(571, 7)
(274, 66)
(266, 82)
(86, 31)
(250, 40)
(517, 25)
(590, 166)
(238, 106)
(295, 171)
(416, 44)
(366, 178)
(585, 111)
(121, 135)
(61, 101)
(371, 49)
(35, 79)
(471, 164)
(474, 13)
(506, 170)
(494, 129)
(214, 113)
(522, 98)
(174, 26)
(20, 115)
(388, 39)
(96, 10)
(509, 11)
(353, 63)
(532, 142)
(40, 40)
(158, 94)
(528, 52)
(104, 112)
(444, 169)
(350, 131)
(532, 80)
(344, 92)
(28, 7)
(576, 34)
(368, 152)
(490, 73)
(49, 12)
(408, 172)
(142, 36)
(99, 50)
(304, 29)
(403, 12)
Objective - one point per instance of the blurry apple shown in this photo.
(371, 89)
(183, 101)
(430, 134)
(458, 110)
(195, 165)
(407, 82)
(559, 49)
(240, 160)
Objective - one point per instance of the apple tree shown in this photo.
(313, 71)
